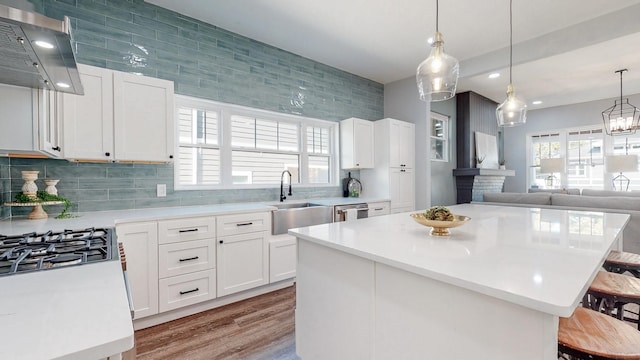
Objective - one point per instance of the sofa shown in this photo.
(587, 200)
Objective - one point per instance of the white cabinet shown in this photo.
(356, 144)
(393, 176)
(401, 185)
(186, 261)
(242, 253)
(29, 123)
(140, 242)
(121, 117)
(378, 208)
(283, 255)
(401, 143)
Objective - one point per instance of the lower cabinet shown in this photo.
(283, 256)
(178, 262)
(242, 262)
(140, 241)
(183, 290)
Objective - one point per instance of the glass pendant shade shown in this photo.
(512, 111)
(437, 76)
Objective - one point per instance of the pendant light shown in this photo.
(512, 111)
(622, 117)
(437, 76)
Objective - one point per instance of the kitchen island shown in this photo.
(383, 288)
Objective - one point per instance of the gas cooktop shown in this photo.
(41, 251)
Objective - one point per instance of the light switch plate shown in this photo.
(161, 190)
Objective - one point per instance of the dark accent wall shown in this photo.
(474, 113)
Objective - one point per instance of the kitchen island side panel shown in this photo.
(334, 304)
(352, 308)
(420, 318)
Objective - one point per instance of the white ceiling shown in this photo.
(564, 51)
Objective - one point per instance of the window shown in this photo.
(585, 150)
(439, 137)
(543, 146)
(227, 146)
(198, 146)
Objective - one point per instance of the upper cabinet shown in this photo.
(401, 143)
(356, 144)
(121, 117)
(29, 121)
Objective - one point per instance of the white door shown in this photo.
(140, 242)
(88, 118)
(407, 144)
(143, 118)
(363, 135)
(242, 262)
(401, 189)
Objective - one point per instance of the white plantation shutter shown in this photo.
(263, 149)
(319, 149)
(198, 152)
(227, 146)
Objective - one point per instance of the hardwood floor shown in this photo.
(259, 328)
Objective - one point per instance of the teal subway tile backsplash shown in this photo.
(203, 61)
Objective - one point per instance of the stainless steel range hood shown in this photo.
(50, 65)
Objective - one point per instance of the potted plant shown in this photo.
(479, 160)
(502, 164)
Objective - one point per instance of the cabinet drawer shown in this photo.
(379, 208)
(183, 258)
(187, 289)
(196, 228)
(243, 223)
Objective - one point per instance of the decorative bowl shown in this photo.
(440, 228)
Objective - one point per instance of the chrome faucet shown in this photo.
(282, 197)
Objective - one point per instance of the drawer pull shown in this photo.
(244, 224)
(378, 209)
(191, 258)
(187, 230)
(188, 291)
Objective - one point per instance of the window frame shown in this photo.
(434, 116)
(225, 112)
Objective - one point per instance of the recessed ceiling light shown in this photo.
(44, 44)
(63, 85)
(494, 75)
(537, 102)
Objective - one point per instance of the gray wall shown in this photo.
(5, 188)
(203, 61)
(559, 117)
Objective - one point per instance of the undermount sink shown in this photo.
(294, 215)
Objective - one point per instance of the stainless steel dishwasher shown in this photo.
(340, 211)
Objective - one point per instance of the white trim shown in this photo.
(447, 134)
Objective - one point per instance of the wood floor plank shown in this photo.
(259, 328)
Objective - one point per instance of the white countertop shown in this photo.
(111, 218)
(542, 259)
(345, 201)
(76, 312)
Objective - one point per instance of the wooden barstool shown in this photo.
(611, 291)
(619, 262)
(588, 334)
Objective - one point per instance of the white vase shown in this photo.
(29, 187)
(51, 186)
